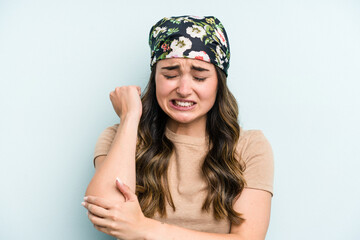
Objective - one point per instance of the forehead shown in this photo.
(185, 63)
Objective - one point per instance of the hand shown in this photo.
(123, 220)
(126, 100)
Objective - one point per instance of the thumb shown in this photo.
(125, 190)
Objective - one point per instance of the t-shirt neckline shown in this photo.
(185, 139)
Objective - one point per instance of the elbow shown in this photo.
(104, 190)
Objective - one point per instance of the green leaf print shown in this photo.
(207, 29)
(163, 56)
(207, 40)
(172, 30)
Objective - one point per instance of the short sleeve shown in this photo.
(256, 152)
(104, 141)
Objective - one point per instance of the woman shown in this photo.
(198, 175)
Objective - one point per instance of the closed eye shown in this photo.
(199, 79)
(170, 77)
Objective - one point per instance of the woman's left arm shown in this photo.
(126, 221)
(255, 208)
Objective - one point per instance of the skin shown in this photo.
(186, 80)
(113, 207)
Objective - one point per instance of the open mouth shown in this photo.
(183, 104)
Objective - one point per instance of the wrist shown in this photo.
(131, 116)
(153, 229)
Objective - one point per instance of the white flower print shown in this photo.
(197, 17)
(220, 36)
(153, 61)
(220, 63)
(158, 30)
(196, 31)
(201, 55)
(179, 47)
(184, 19)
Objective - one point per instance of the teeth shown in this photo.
(184, 104)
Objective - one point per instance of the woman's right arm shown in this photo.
(120, 160)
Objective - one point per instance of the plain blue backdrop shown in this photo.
(294, 70)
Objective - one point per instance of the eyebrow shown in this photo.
(175, 67)
(200, 69)
(171, 67)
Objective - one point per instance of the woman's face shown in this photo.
(186, 89)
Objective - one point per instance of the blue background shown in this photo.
(294, 70)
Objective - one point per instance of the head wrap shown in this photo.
(202, 38)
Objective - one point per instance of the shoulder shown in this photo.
(104, 141)
(111, 129)
(109, 132)
(107, 135)
(252, 140)
(255, 152)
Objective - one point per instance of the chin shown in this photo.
(185, 119)
(180, 119)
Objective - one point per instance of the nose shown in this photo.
(184, 88)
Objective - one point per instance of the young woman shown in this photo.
(187, 170)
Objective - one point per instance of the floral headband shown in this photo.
(202, 38)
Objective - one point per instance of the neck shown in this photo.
(193, 129)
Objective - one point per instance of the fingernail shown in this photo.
(83, 203)
(119, 181)
(85, 198)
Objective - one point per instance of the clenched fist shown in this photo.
(126, 101)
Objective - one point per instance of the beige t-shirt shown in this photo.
(187, 187)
